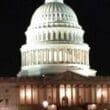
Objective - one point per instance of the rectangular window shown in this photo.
(74, 95)
(35, 95)
(22, 95)
(54, 95)
(28, 95)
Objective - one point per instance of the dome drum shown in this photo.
(52, 56)
(74, 36)
(51, 69)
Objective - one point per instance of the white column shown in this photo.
(60, 54)
(83, 56)
(73, 56)
(47, 55)
(44, 56)
(88, 57)
(51, 36)
(39, 56)
(33, 57)
(65, 55)
(50, 56)
(62, 35)
(55, 55)
(78, 56)
(36, 57)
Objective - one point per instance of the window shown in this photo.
(59, 35)
(65, 55)
(28, 94)
(22, 95)
(65, 36)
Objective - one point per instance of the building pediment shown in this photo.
(68, 75)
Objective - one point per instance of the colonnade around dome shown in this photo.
(57, 35)
(55, 56)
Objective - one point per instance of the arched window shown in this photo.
(49, 36)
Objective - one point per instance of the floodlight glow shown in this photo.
(28, 94)
(100, 93)
(53, 107)
(45, 103)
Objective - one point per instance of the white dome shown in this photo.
(54, 42)
(54, 14)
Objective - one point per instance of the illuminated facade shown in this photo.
(55, 65)
(55, 42)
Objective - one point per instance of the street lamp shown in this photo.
(92, 107)
(54, 107)
(45, 104)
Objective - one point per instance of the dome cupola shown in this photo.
(48, 1)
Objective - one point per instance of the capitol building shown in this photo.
(55, 65)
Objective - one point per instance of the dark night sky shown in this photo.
(93, 15)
